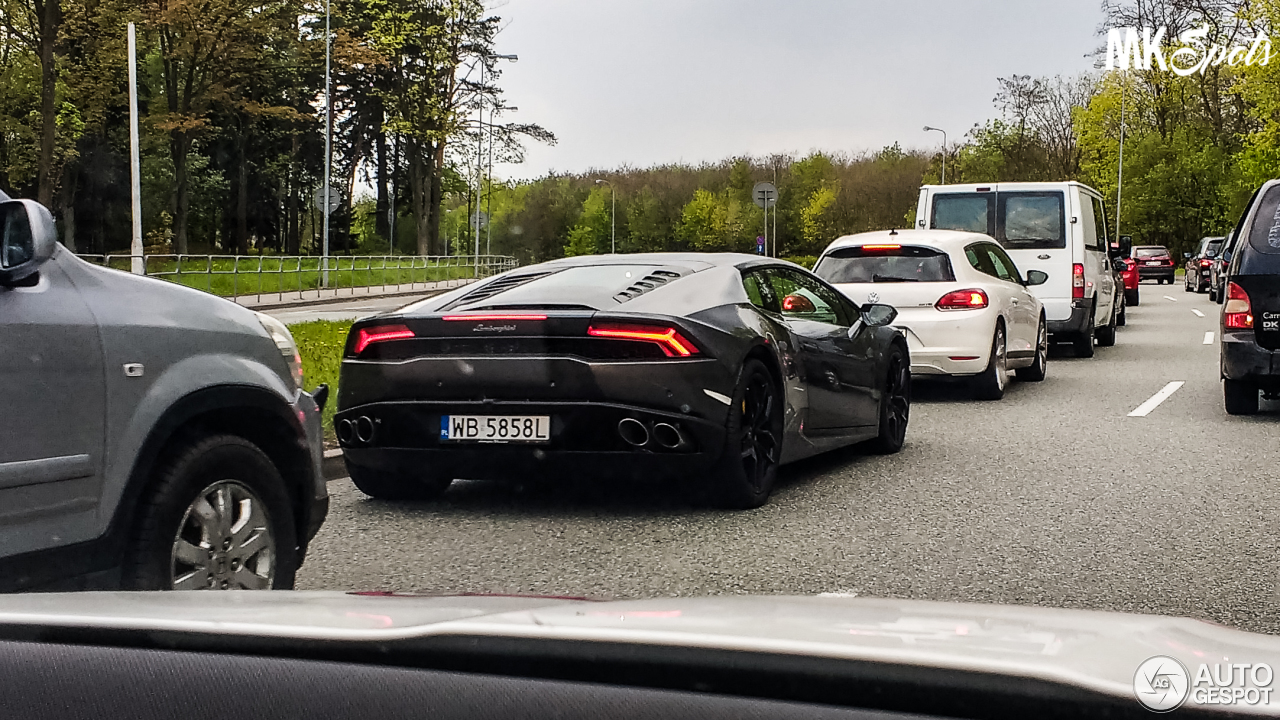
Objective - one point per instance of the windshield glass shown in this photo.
(650, 301)
(1018, 220)
(906, 264)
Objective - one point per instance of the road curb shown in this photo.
(425, 293)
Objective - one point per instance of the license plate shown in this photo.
(1154, 262)
(495, 428)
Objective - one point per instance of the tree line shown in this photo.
(232, 103)
(232, 95)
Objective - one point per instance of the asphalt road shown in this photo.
(1054, 496)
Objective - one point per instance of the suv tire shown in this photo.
(201, 492)
(385, 485)
(1240, 397)
(990, 385)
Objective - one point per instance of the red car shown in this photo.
(1154, 263)
(1129, 275)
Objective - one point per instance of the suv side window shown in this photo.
(1005, 269)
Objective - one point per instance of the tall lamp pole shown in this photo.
(328, 142)
(480, 155)
(1120, 167)
(613, 215)
(944, 150)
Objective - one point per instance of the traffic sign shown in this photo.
(759, 244)
(765, 195)
(335, 198)
(481, 219)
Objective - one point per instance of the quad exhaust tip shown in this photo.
(669, 436)
(364, 429)
(633, 432)
(346, 431)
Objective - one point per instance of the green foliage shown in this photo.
(320, 344)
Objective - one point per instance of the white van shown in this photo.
(1059, 228)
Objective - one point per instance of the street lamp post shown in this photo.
(613, 215)
(328, 142)
(480, 155)
(944, 150)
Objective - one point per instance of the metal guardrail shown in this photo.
(236, 276)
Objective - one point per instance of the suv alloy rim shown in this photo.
(224, 541)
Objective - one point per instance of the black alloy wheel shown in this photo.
(753, 445)
(895, 405)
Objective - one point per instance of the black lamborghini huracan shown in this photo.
(716, 368)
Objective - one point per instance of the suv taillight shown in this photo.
(1077, 281)
(1237, 313)
(974, 299)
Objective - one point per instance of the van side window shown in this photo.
(1100, 222)
(1089, 224)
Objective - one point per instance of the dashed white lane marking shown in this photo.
(1208, 338)
(1197, 312)
(1145, 408)
(1171, 299)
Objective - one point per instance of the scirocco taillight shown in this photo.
(974, 299)
(1077, 280)
(1237, 313)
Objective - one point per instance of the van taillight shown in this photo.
(1077, 280)
(1237, 313)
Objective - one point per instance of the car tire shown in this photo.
(1123, 318)
(1036, 371)
(895, 405)
(183, 536)
(1186, 285)
(1107, 333)
(991, 384)
(748, 466)
(1131, 297)
(1240, 397)
(1083, 341)
(1213, 294)
(383, 485)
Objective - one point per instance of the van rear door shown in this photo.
(1031, 225)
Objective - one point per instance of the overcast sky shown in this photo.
(646, 82)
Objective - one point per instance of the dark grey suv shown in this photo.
(155, 436)
(1251, 314)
